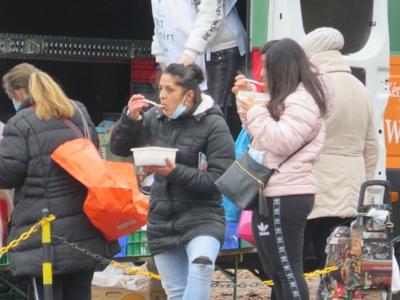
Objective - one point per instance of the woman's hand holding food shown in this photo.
(246, 104)
(135, 105)
(242, 84)
(165, 171)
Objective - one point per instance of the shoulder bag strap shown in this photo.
(291, 155)
(74, 128)
(86, 131)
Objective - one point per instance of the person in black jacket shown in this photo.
(186, 223)
(29, 138)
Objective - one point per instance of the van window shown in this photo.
(351, 17)
(359, 73)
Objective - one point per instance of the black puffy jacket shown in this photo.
(26, 165)
(185, 204)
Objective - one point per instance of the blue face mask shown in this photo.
(16, 104)
(180, 110)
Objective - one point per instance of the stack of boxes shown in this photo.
(145, 76)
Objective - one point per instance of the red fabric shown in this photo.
(257, 65)
(3, 218)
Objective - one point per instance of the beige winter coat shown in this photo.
(350, 152)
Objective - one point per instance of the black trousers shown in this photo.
(279, 242)
(317, 232)
(221, 70)
(74, 286)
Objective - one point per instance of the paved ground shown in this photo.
(251, 293)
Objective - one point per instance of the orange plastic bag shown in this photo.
(114, 203)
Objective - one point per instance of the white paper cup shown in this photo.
(260, 97)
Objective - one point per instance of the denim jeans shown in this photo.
(186, 272)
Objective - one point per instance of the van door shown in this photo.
(366, 48)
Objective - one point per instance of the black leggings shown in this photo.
(279, 242)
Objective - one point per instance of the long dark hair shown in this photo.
(286, 66)
(188, 77)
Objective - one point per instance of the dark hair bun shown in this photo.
(196, 73)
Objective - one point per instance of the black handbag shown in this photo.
(244, 181)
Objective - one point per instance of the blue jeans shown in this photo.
(186, 272)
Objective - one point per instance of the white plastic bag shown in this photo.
(116, 277)
(395, 275)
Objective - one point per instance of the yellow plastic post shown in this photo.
(47, 267)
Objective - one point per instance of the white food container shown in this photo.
(153, 156)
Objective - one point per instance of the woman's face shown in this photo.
(18, 95)
(171, 94)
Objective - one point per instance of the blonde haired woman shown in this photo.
(29, 138)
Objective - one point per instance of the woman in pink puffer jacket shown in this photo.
(292, 119)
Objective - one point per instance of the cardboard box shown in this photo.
(108, 293)
(147, 289)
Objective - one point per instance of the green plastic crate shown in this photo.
(137, 244)
(4, 260)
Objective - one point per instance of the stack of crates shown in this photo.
(137, 244)
(145, 76)
(4, 261)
